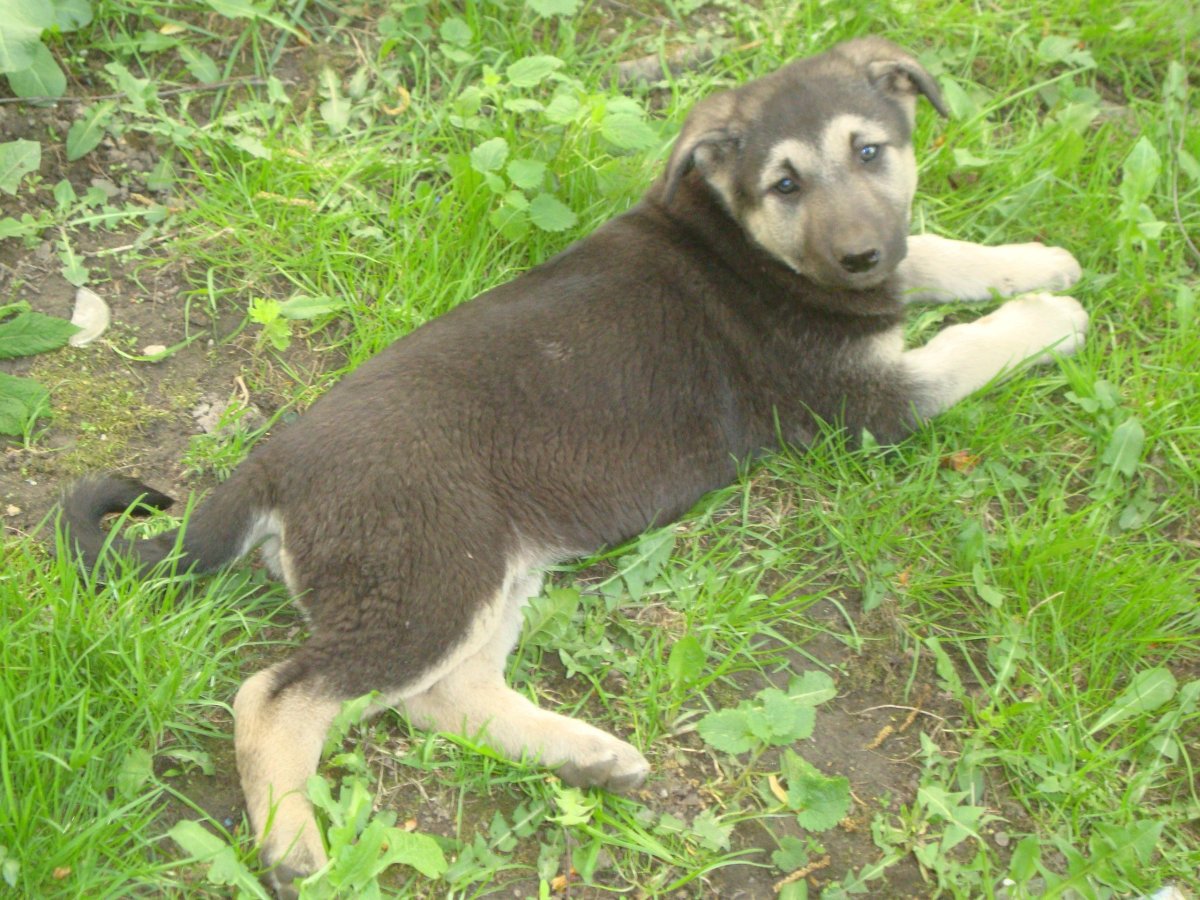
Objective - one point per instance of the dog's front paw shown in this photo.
(610, 763)
(1041, 326)
(1034, 267)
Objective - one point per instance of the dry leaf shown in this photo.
(91, 315)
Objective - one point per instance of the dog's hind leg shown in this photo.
(941, 270)
(279, 729)
(473, 698)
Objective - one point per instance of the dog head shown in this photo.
(815, 161)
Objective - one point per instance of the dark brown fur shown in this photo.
(598, 394)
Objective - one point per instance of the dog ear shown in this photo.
(708, 138)
(894, 71)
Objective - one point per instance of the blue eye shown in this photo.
(868, 153)
(786, 186)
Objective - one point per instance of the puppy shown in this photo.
(756, 291)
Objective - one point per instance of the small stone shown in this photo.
(12, 510)
(154, 349)
(1001, 838)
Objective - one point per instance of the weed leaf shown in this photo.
(686, 661)
(728, 731)
(1124, 451)
(200, 64)
(223, 865)
(304, 306)
(70, 15)
(31, 332)
(712, 833)
(84, 134)
(21, 34)
(21, 401)
(549, 213)
(335, 110)
(1148, 690)
(417, 850)
(820, 801)
(490, 155)
(532, 70)
(17, 159)
(137, 768)
(526, 174)
(628, 132)
(42, 79)
(546, 8)
(811, 689)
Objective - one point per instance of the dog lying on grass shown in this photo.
(756, 291)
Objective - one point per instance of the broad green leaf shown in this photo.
(251, 145)
(21, 401)
(686, 661)
(1059, 49)
(820, 801)
(21, 30)
(628, 132)
(139, 91)
(554, 7)
(43, 78)
(986, 591)
(336, 109)
(224, 867)
(532, 70)
(17, 159)
(137, 769)
(70, 15)
(510, 221)
(1139, 172)
(419, 851)
(30, 332)
(303, 306)
(1124, 451)
(200, 64)
(727, 730)
(87, 132)
(712, 833)
(527, 174)
(1148, 690)
(455, 31)
(791, 855)
(811, 689)
(549, 213)
(490, 155)
(562, 109)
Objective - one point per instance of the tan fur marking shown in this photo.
(278, 743)
(473, 699)
(940, 270)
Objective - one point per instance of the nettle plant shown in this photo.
(559, 121)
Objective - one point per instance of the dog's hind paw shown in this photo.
(614, 765)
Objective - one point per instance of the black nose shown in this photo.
(860, 262)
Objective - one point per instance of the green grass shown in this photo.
(1031, 556)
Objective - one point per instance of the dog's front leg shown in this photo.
(963, 358)
(941, 270)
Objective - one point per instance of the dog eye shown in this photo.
(868, 153)
(786, 186)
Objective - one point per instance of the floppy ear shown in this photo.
(894, 71)
(708, 140)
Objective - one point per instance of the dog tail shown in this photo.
(216, 533)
